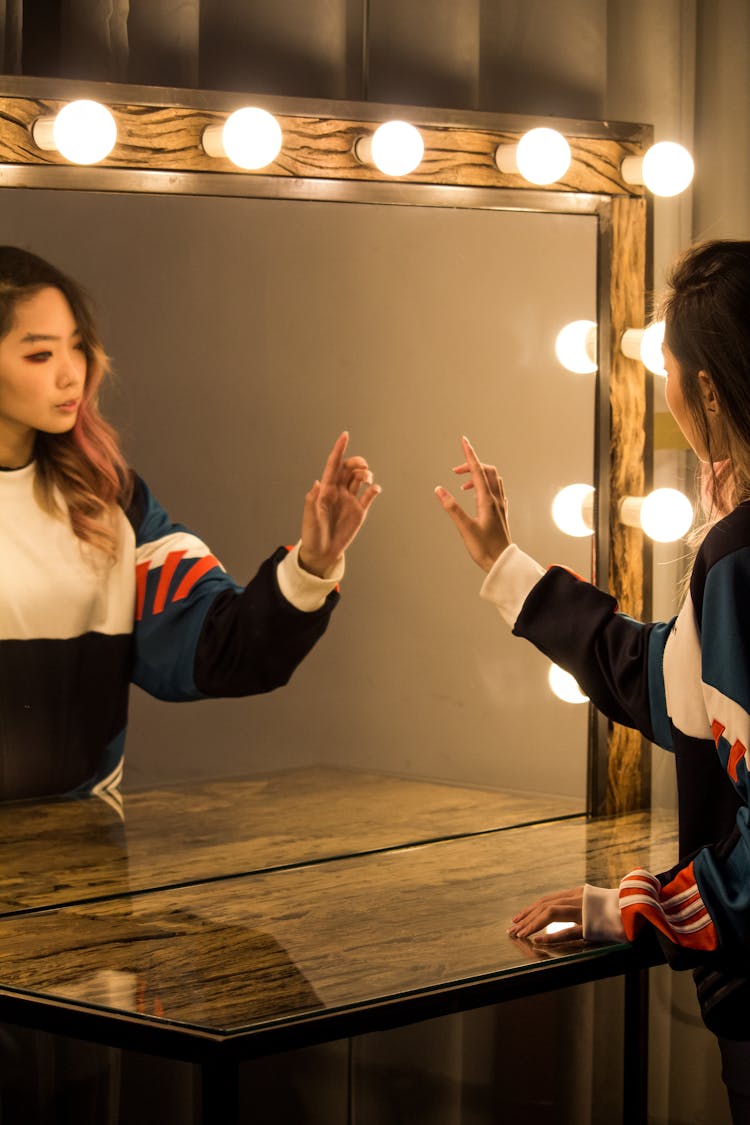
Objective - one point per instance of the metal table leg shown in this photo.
(635, 1056)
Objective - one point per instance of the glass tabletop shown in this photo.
(66, 851)
(245, 953)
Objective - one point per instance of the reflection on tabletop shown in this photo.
(63, 851)
(238, 953)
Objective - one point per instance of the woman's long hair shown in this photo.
(707, 328)
(85, 465)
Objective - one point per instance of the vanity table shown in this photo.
(222, 921)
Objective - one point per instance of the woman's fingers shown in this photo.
(334, 460)
(560, 906)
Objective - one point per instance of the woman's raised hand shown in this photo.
(335, 509)
(487, 534)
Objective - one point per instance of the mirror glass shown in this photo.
(245, 335)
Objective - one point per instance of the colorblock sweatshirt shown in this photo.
(685, 684)
(75, 631)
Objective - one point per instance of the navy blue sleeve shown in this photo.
(197, 632)
(616, 660)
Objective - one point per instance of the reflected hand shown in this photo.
(487, 534)
(335, 509)
(560, 906)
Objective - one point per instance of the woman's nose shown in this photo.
(68, 371)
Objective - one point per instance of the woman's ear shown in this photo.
(709, 397)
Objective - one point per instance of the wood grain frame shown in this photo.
(159, 150)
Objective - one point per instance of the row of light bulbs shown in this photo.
(85, 132)
(665, 515)
(576, 344)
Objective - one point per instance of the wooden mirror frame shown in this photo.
(159, 150)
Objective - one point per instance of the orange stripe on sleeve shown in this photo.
(676, 909)
(717, 729)
(168, 568)
(197, 570)
(736, 755)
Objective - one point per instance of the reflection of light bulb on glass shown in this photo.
(666, 169)
(665, 514)
(573, 510)
(564, 686)
(395, 148)
(645, 344)
(558, 927)
(250, 138)
(84, 132)
(575, 346)
(542, 156)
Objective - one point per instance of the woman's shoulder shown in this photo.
(731, 533)
(137, 503)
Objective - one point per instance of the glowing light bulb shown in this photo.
(542, 156)
(395, 148)
(666, 169)
(84, 132)
(564, 686)
(575, 346)
(250, 138)
(645, 344)
(651, 348)
(573, 510)
(666, 515)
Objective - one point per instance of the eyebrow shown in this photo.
(35, 337)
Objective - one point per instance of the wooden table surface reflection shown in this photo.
(236, 919)
(235, 955)
(56, 852)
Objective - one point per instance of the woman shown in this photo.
(100, 587)
(685, 684)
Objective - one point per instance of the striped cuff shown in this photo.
(602, 920)
(509, 583)
(304, 590)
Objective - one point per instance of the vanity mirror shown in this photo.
(253, 315)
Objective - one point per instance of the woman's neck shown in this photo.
(16, 450)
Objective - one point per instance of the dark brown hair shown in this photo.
(707, 328)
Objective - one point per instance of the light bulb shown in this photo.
(666, 169)
(542, 156)
(575, 346)
(250, 138)
(666, 515)
(565, 686)
(84, 132)
(395, 148)
(573, 509)
(651, 348)
(645, 344)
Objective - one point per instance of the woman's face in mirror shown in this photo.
(42, 372)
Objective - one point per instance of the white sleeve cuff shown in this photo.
(510, 582)
(602, 920)
(304, 590)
